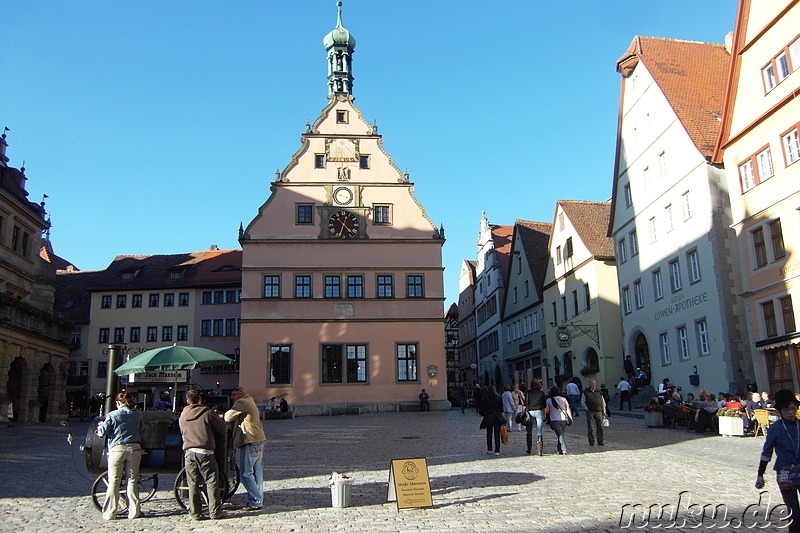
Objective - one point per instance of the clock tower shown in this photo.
(342, 272)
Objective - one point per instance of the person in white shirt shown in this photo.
(509, 407)
(624, 389)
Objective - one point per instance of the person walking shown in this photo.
(519, 401)
(477, 397)
(509, 407)
(463, 392)
(624, 388)
(573, 397)
(535, 404)
(560, 413)
(492, 409)
(595, 412)
(123, 427)
(783, 438)
(249, 441)
(199, 428)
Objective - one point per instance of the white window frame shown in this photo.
(658, 284)
(675, 282)
(683, 343)
(782, 62)
(623, 250)
(634, 243)
(628, 198)
(765, 169)
(663, 340)
(626, 300)
(693, 259)
(668, 223)
(638, 295)
(747, 176)
(702, 337)
(651, 224)
(791, 147)
(768, 74)
(686, 205)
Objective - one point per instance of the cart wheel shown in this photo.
(182, 490)
(148, 485)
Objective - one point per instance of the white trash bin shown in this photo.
(341, 487)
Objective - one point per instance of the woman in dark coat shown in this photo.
(493, 418)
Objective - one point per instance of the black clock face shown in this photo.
(343, 224)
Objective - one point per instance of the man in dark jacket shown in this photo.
(595, 411)
(535, 404)
(199, 425)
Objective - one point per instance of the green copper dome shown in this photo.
(339, 36)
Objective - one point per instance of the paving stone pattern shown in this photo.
(585, 490)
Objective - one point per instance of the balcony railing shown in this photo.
(25, 318)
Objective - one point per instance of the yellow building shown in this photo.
(759, 145)
(342, 273)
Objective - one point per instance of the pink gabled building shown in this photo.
(342, 272)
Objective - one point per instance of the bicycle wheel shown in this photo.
(148, 485)
(181, 489)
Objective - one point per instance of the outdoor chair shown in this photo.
(761, 421)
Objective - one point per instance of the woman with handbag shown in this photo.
(519, 397)
(558, 409)
(493, 418)
(783, 438)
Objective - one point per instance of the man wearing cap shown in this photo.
(249, 440)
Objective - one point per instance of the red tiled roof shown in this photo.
(692, 75)
(590, 220)
(501, 236)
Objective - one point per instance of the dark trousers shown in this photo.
(493, 429)
(595, 418)
(424, 405)
(790, 499)
(625, 396)
(203, 468)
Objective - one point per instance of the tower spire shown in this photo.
(340, 46)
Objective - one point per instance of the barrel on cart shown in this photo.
(162, 454)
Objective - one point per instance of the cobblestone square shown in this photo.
(585, 490)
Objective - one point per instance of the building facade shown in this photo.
(467, 349)
(580, 295)
(677, 262)
(758, 143)
(342, 271)
(34, 341)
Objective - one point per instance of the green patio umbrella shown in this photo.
(172, 358)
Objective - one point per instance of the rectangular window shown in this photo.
(694, 266)
(628, 197)
(768, 73)
(205, 328)
(333, 287)
(770, 324)
(152, 333)
(356, 363)
(669, 224)
(622, 250)
(414, 286)
(746, 174)
(587, 297)
(102, 369)
(637, 294)
(169, 299)
(341, 116)
(794, 54)
(136, 334)
(568, 251)
(662, 165)
(634, 243)
(105, 302)
(791, 147)
(305, 214)
(122, 301)
(527, 289)
(788, 314)
(776, 234)
(782, 61)
(119, 335)
(626, 300)
(651, 225)
(103, 336)
(564, 307)
(15, 238)
(218, 325)
(385, 287)
(219, 297)
(558, 255)
(363, 162)
(166, 333)
(280, 359)
(231, 327)
(702, 337)
(207, 298)
(686, 206)
(406, 362)
(331, 363)
(272, 286)
(319, 160)
(232, 296)
(302, 287)
(663, 339)
(555, 312)
(382, 214)
(136, 300)
(683, 343)
(183, 333)
(153, 300)
(355, 286)
(759, 247)
(658, 289)
(183, 299)
(675, 275)
(765, 170)
(575, 303)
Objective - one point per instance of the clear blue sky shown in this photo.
(156, 127)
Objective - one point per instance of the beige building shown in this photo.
(581, 299)
(759, 146)
(33, 340)
(342, 272)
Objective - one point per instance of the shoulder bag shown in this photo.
(567, 418)
(789, 476)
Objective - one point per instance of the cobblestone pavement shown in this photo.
(41, 490)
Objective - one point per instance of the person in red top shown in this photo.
(731, 402)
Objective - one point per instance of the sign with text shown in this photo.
(409, 484)
(160, 376)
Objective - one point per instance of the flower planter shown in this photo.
(654, 419)
(731, 426)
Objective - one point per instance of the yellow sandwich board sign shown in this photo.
(409, 484)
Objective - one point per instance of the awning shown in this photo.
(778, 342)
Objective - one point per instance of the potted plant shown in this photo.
(653, 416)
(589, 371)
(730, 421)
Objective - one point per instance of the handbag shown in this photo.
(522, 418)
(606, 423)
(789, 477)
(503, 434)
(567, 418)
